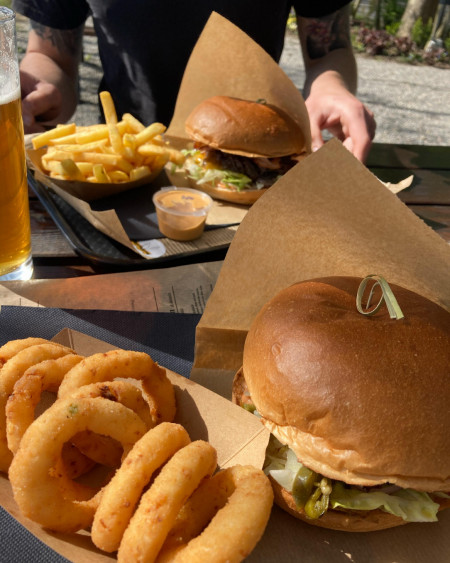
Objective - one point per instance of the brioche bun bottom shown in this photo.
(180, 179)
(244, 197)
(343, 520)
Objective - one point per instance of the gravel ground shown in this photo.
(411, 103)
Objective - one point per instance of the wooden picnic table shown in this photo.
(428, 196)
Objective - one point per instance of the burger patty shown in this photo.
(255, 168)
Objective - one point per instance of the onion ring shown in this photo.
(41, 487)
(126, 364)
(11, 348)
(121, 495)
(160, 505)
(103, 449)
(11, 371)
(74, 462)
(100, 449)
(244, 497)
(20, 407)
(121, 391)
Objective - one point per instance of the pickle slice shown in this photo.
(319, 501)
(303, 486)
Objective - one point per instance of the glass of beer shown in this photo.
(15, 236)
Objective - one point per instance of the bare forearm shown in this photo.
(327, 52)
(330, 85)
(335, 71)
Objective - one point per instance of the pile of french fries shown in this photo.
(114, 152)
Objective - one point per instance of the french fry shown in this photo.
(98, 133)
(117, 151)
(149, 132)
(100, 174)
(135, 125)
(129, 153)
(71, 170)
(150, 149)
(87, 147)
(158, 140)
(129, 140)
(64, 140)
(54, 166)
(44, 138)
(115, 138)
(85, 168)
(109, 109)
(115, 160)
(118, 176)
(140, 172)
(61, 155)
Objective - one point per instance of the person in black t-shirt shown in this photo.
(144, 46)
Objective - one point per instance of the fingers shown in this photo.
(361, 131)
(315, 120)
(40, 103)
(44, 101)
(346, 118)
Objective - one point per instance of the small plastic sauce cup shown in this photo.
(181, 212)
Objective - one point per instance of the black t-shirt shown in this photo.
(144, 45)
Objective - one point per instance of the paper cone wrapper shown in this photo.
(227, 62)
(328, 216)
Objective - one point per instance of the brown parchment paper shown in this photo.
(180, 289)
(108, 222)
(226, 61)
(327, 216)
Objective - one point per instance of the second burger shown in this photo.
(241, 148)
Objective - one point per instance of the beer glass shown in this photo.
(15, 237)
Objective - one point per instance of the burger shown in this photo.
(357, 405)
(240, 147)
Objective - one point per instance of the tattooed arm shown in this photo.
(49, 76)
(330, 84)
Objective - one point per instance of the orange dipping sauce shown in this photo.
(181, 212)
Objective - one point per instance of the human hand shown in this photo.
(41, 103)
(345, 117)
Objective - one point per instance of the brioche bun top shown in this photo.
(246, 128)
(361, 399)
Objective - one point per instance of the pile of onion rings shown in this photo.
(165, 502)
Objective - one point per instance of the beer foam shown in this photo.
(10, 96)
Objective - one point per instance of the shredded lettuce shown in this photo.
(413, 506)
(211, 175)
(215, 176)
(441, 495)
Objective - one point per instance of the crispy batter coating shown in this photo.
(160, 505)
(121, 495)
(41, 487)
(223, 520)
(27, 392)
(13, 370)
(126, 364)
